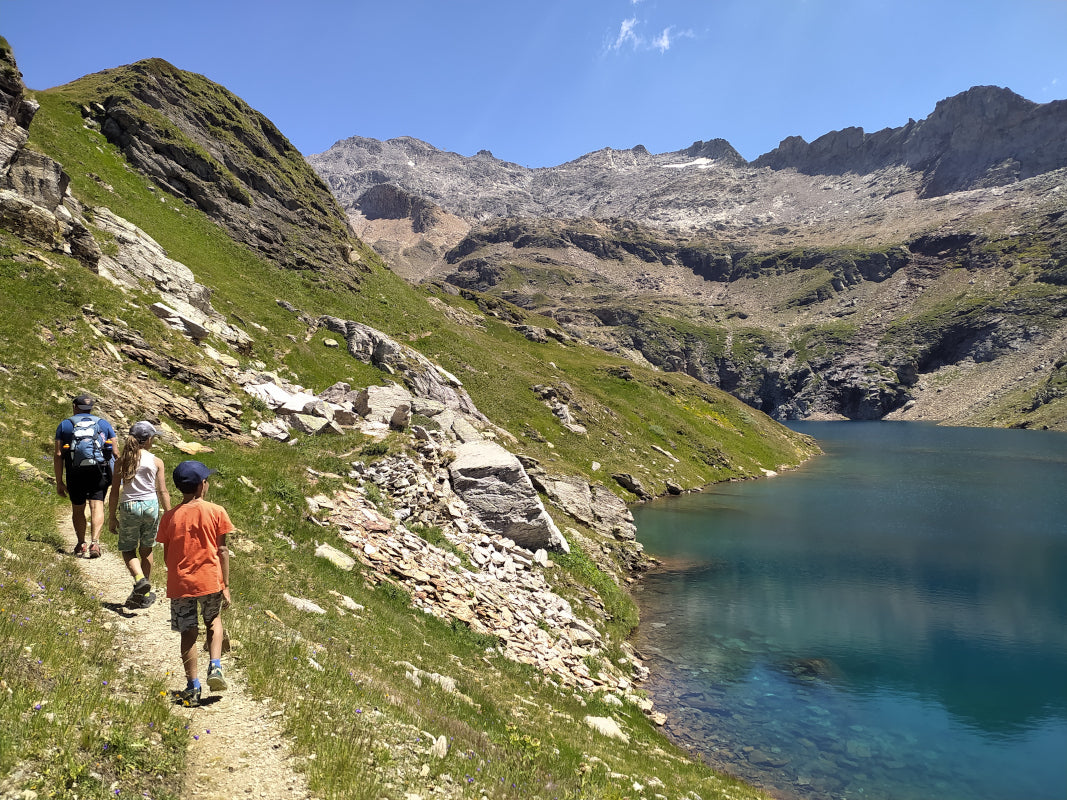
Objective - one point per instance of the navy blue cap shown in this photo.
(190, 474)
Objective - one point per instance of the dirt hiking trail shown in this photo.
(237, 748)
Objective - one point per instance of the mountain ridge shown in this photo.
(795, 241)
(986, 136)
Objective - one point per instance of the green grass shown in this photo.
(817, 286)
(823, 341)
(73, 722)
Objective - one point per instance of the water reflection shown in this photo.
(900, 597)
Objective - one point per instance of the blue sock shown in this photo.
(216, 662)
(192, 684)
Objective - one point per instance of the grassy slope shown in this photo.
(48, 350)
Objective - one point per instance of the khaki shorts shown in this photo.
(183, 611)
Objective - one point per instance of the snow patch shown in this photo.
(699, 163)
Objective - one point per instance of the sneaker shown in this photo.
(136, 600)
(94, 550)
(186, 697)
(80, 549)
(142, 587)
(215, 681)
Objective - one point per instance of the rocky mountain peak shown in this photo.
(985, 136)
(717, 149)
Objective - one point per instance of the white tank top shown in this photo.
(142, 486)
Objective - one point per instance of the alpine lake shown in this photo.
(887, 622)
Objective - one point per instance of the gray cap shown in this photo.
(83, 402)
(143, 430)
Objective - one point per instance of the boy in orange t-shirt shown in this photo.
(193, 535)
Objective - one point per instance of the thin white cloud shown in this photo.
(626, 34)
(631, 37)
(663, 41)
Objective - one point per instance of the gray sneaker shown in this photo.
(136, 600)
(190, 698)
(215, 681)
(142, 586)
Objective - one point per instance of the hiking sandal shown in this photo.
(80, 549)
(94, 550)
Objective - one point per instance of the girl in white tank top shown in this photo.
(138, 492)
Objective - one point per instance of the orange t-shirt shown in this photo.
(190, 534)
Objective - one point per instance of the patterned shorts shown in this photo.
(183, 611)
(138, 521)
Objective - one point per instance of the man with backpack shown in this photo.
(85, 447)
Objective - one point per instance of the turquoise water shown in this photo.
(888, 621)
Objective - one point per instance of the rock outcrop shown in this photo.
(251, 180)
(422, 377)
(492, 482)
(35, 199)
(986, 136)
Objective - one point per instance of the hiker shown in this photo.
(193, 535)
(85, 447)
(138, 479)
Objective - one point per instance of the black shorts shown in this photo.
(87, 483)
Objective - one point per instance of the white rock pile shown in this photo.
(485, 580)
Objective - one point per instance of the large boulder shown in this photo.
(611, 514)
(380, 403)
(493, 484)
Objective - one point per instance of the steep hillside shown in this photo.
(912, 273)
(358, 426)
(203, 145)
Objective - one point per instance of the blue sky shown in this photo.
(541, 83)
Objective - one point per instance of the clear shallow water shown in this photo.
(889, 621)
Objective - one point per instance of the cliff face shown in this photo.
(986, 136)
(35, 201)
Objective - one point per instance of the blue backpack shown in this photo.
(88, 443)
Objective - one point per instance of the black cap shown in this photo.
(190, 474)
(83, 402)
